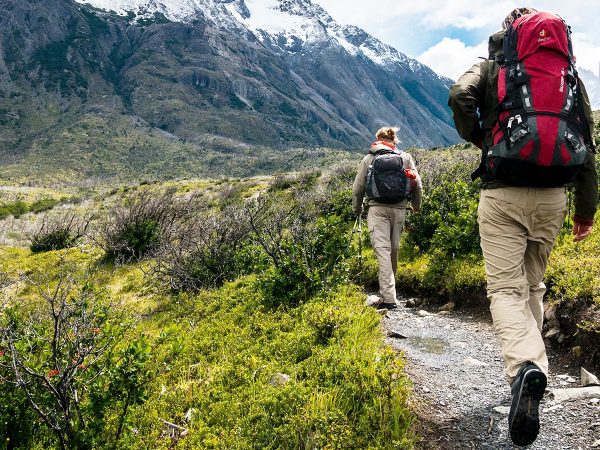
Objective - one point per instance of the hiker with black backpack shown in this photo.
(389, 178)
(526, 108)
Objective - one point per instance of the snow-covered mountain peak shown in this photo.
(289, 25)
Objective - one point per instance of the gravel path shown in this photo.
(460, 387)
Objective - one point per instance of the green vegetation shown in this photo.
(229, 313)
(19, 207)
(276, 351)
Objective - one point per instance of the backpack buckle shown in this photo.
(518, 118)
(520, 129)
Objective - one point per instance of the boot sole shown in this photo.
(526, 421)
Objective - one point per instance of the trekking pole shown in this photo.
(360, 242)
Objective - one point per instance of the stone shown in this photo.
(553, 408)
(424, 313)
(470, 361)
(396, 335)
(553, 332)
(413, 303)
(596, 444)
(280, 379)
(504, 410)
(577, 352)
(549, 312)
(450, 306)
(575, 393)
(188, 416)
(588, 379)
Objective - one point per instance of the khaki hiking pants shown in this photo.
(385, 226)
(518, 227)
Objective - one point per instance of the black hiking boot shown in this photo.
(527, 390)
(388, 306)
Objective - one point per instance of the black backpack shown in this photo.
(386, 180)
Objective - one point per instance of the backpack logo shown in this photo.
(543, 36)
(562, 80)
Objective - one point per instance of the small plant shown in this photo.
(137, 229)
(59, 347)
(303, 247)
(58, 232)
(205, 251)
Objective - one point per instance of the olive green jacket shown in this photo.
(473, 99)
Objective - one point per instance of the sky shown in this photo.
(449, 35)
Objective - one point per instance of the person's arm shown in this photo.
(464, 98)
(586, 184)
(358, 188)
(416, 192)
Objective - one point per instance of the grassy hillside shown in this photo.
(228, 313)
(102, 145)
(262, 344)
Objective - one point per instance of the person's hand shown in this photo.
(581, 231)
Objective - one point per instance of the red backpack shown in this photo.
(541, 134)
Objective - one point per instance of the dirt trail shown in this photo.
(454, 361)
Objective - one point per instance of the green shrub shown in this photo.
(58, 232)
(43, 205)
(212, 247)
(137, 229)
(62, 348)
(303, 247)
(447, 222)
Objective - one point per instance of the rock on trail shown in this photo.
(461, 393)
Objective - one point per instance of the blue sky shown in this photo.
(448, 36)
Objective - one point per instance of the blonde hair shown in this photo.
(387, 134)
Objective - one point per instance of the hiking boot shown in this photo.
(388, 306)
(527, 390)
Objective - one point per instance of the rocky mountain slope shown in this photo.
(592, 84)
(218, 74)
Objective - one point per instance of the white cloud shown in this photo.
(451, 57)
(587, 52)
(464, 14)
(411, 25)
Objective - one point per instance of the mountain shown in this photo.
(592, 85)
(215, 74)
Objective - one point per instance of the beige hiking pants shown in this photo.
(518, 227)
(385, 226)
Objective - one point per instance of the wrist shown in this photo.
(583, 221)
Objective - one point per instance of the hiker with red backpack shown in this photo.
(389, 178)
(526, 108)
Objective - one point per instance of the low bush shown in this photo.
(137, 228)
(208, 249)
(62, 350)
(303, 246)
(58, 232)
